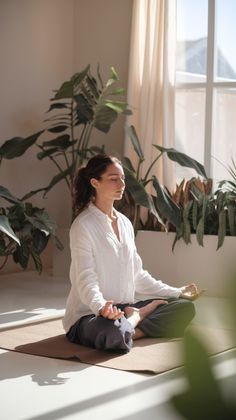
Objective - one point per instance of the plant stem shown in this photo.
(67, 164)
(136, 218)
(153, 163)
(87, 138)
(55, 163)
(4, 262)
(72, 130)
(80, 146)
(138, 168)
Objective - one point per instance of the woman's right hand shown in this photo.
(111, 312)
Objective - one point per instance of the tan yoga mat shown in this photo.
(150, 355)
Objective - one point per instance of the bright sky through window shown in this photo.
(206, 83)
(192, 18)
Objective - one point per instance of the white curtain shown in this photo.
(151, 82)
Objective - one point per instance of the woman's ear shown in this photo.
(94, 182)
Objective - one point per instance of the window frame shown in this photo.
(209, 85)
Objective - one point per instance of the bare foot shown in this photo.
(135, 315)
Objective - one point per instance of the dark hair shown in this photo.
(83, 191)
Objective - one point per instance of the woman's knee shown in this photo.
(189, 308)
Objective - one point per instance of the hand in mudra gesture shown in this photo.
(111, 312)
(191, 292)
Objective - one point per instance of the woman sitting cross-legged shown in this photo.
(106, 271)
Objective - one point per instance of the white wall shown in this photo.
(42, 43)
(102, 36)
(36, 56)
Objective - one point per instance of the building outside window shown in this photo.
(205, 103)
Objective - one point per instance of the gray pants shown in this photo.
(105, 334)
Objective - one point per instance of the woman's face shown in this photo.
(112, 183)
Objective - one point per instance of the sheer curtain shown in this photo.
(151, 82)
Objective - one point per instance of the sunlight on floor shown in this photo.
(47, 389)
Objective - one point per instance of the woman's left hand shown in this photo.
(191, 292)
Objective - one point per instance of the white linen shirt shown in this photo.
(105, 268)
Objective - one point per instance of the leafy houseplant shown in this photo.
(207, 212)
(24, 231)
(192, 208)
(24, 228)
(78, 106)
(161, 207)
(203, 211)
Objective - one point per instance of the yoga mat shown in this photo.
(150, 355)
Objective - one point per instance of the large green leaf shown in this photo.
(231, 219)
(104, 117)
(194, 214)
(118, 91)
(138, 192)
(57, 105)
(37, 260)
(67, 88)
(183, 159)
(186, 223)
(22, 254)
(135, 142)
(92, 84)
(6, 228)
(203, 398)
(5, 193)
(38, 224)
(65, 91)
(201, 224)
(43, 217)
(166, 206)
(113, 78)
(58, 128)
(78, 78)
(117, 106)
(126, 162)
(47, 153)
(83, 110)
(17, 146)
(62, 142)
(40, 240)
(200, 231)
(222, 228)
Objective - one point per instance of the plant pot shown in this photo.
(208, 268)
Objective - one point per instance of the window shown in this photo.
(205, 104)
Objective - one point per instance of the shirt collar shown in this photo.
(100, 213)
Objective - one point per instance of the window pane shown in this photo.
(224, 129)
(190, 122)
(191, 62)
(225, 39)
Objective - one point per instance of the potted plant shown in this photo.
(79, 106)
(24, 232)
(193, 213)
(161, 206)
(24, 229)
